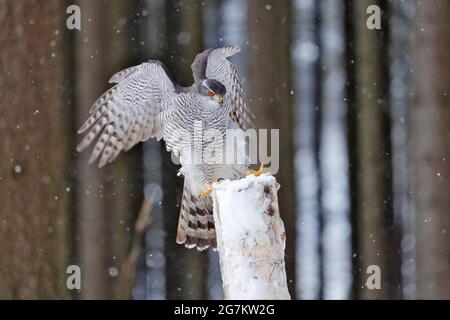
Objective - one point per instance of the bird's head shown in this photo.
(213, 89)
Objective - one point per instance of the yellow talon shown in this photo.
(256, 173)
(207, 190)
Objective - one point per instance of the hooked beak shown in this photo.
(218, 98)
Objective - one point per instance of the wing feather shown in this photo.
(121, 75)
(128, 112)
(220, 68)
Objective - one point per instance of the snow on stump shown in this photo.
(250, 238)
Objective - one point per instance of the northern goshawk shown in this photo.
(147, 103)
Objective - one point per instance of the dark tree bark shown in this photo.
(429, 147)
(186, 270)
(269, 73)
(317, 144)
(350, 98)
(34, 202)
(376, 231)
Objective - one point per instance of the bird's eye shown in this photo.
(210, 93)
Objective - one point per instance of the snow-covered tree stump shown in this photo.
(250, 238)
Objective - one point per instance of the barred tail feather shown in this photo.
(196, 224)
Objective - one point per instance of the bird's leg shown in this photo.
(256, 173)
(206, 190)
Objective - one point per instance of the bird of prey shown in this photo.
(147, 103)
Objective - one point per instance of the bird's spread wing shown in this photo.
(214, 64)
(128, 112)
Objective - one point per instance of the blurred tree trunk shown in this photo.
(34, 202)
(269, 73)
(350, 98)
(186, 270)
(318, 127)
(108, 198)
(377, 232)
(127, 50)
(430, 149)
